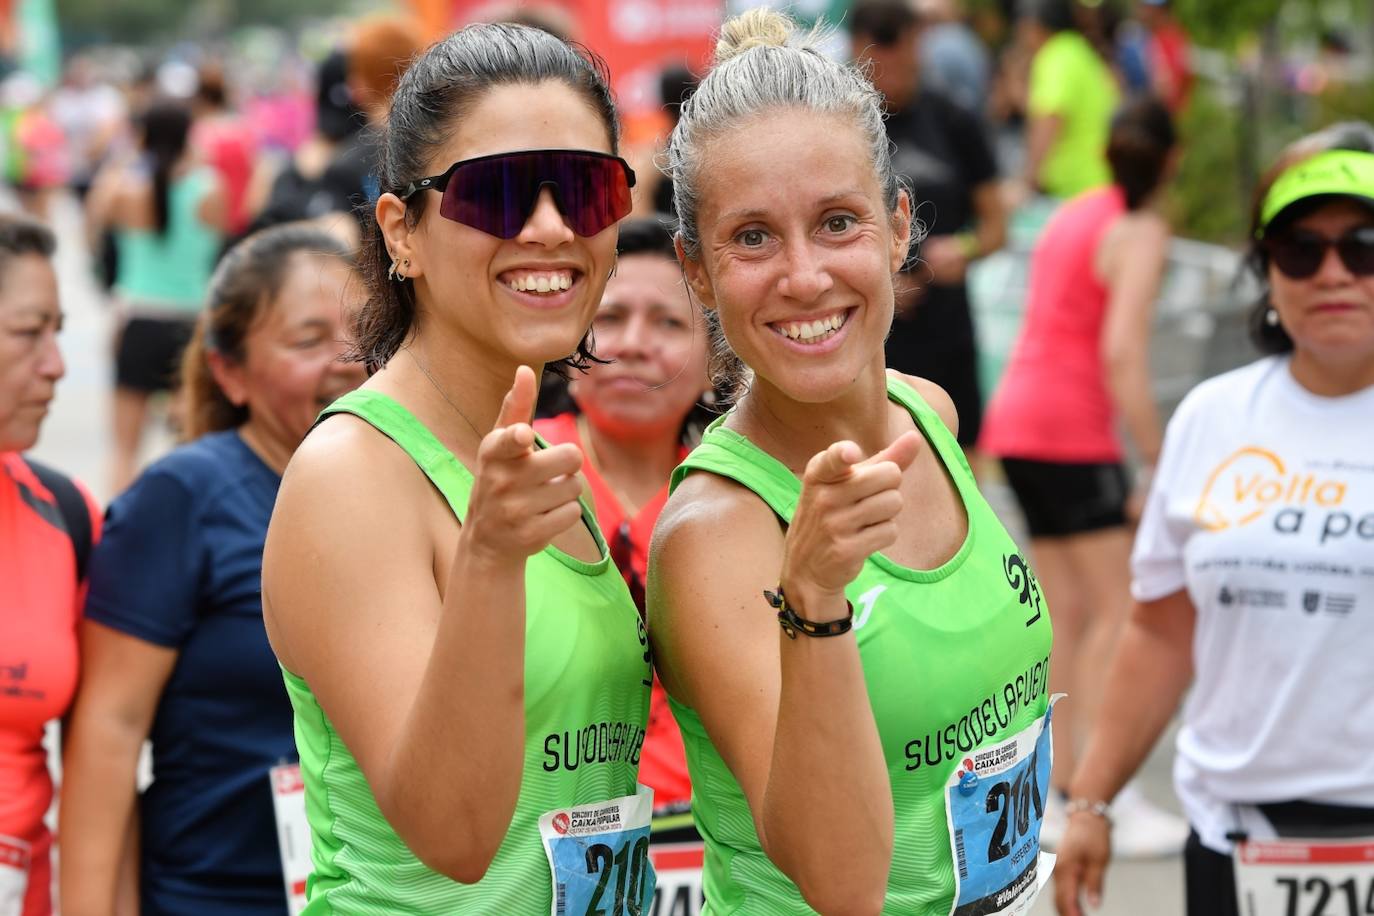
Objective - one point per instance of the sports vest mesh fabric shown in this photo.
(586, 704)
(952, 656)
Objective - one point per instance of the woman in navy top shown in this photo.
(173, 646)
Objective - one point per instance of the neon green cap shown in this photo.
(1349, 173)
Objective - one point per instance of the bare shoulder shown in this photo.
(938, 399)
(708, 513)
(349, 536)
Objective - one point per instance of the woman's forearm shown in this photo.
(438, 774)
(1149, 674)
(1129, 381)
(828, 769)
(99, 777)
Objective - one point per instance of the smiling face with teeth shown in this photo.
(798, 252)
(526, 300)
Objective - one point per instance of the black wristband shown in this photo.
(792, 624)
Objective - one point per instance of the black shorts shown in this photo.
(148, 357)
(1061, 499)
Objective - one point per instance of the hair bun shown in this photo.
(757, 28)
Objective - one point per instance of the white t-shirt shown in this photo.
(1263, 509)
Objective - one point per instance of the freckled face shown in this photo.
(798, 251)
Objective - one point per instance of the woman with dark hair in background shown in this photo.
(631, 424)
(1251, 571)
(173, 648)
(168, 215)
(47, 526)
(469, 674)
(1080, 365)
(317, 182)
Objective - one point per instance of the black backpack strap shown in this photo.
(76, 514)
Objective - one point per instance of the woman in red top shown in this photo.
(43, 516)
(632, 413)
(1078, 370)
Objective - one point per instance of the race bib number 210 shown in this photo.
(994, 802)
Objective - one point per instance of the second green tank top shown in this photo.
(952, 657)
(587, 680)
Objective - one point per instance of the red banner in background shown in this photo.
(637, 39)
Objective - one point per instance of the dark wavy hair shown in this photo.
(433, 97)
(1357, 136)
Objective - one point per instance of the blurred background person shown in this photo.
(632, 423)
(1079, 367)
(47, 526)
(173, 645)
(1171, 72)
(224, 141)
(943, 152)
(168, 215)
(379, 50)
(1071, 96)
(954, 60)
(1246, 600)
(316, 182)
(91, 113)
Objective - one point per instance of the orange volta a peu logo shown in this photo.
(1253, 480)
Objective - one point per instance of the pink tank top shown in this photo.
(1052, 403)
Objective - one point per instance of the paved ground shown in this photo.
(76, 439)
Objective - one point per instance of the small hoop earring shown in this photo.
(1271, 318)
(397, 271)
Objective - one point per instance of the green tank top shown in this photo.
(587, 680)
(952, 657)
(170, 271)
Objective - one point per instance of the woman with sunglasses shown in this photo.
(634, 416)
(1079, 372)
(469, 674)
(853, 647)
(1252, 573)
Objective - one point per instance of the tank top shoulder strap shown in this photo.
(728, 454)
(934, 428)
(401, 426)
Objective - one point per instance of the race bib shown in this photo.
(599, 856)
(1300, 877)
(994, 803)
(293, 832)
(14, 875)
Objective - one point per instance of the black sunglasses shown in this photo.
(1299, 255)
(496, 194)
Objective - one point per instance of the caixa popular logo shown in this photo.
(968, 779)
(561, 823)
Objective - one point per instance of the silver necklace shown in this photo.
(456, 409)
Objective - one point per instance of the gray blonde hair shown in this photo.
(764, 62)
